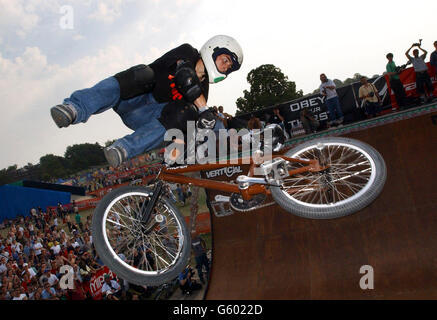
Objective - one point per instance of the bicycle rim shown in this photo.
(350, 174)
(149, 249)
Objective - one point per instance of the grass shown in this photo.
(201, 202)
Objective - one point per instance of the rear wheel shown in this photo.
(142, 250)
(354, 177)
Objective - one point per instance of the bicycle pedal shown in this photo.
(221, 207)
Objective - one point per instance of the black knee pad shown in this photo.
(135, 81)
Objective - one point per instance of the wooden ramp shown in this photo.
(271, 254)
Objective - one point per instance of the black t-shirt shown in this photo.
(166, 65)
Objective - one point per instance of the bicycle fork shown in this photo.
(157, 190)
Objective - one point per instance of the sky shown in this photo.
(50, 48)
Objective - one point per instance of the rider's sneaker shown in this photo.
(115, 155)
(63, 115)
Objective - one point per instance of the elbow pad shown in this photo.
(187, 82)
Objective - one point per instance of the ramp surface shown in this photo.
(271, 254)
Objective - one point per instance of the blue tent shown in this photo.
(19, 200)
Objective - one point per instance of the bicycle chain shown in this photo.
(254, 208)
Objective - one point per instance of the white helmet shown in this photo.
(216, 46)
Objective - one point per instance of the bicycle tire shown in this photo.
(369, 160)
(108, 254)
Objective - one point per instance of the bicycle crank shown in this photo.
(237, 203)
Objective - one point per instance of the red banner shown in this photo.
(408, 79)
(94, 286)
(203, 222)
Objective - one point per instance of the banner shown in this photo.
(150, 169)
(103, 191)
(408, 79)
(349, 102)
(203, 222)
(94, 286)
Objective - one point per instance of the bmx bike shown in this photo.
(140, 234)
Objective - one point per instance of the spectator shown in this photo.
(111, 288)
(33, 214)
(77, 217)
(225, 117)
(219, 123)
(3, 267)
(77, 293)
(254, 123)
(180, 193)
(395, 82)
(60, 210)
(199, 249)
(28, 267)
(49, 293)
(51, 278)
(422, 77)
(370, 96)
(433, 58)
(277, 118)
(186, 284)
(18, 294)
(309, 122)
(185, 192)
(328, 90)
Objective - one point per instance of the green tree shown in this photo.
(268, 86)
(83, 156)
(52, 166)
(355, 78)
(7, 175)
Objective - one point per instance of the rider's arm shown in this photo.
(188, 83)
(200, 102)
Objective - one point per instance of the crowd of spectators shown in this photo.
(369, 101)
(34, 248)
(96, 179)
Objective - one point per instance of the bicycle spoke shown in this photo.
(153, 247)
(349, 171)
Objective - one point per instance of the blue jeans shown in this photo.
(334, 109)
(140, 114)
(372, 108)
(202, 260)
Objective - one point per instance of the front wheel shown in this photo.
(144, 250)
(354, 177)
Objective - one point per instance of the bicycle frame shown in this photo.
(175, 175)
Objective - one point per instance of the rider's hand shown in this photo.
(187, 82)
